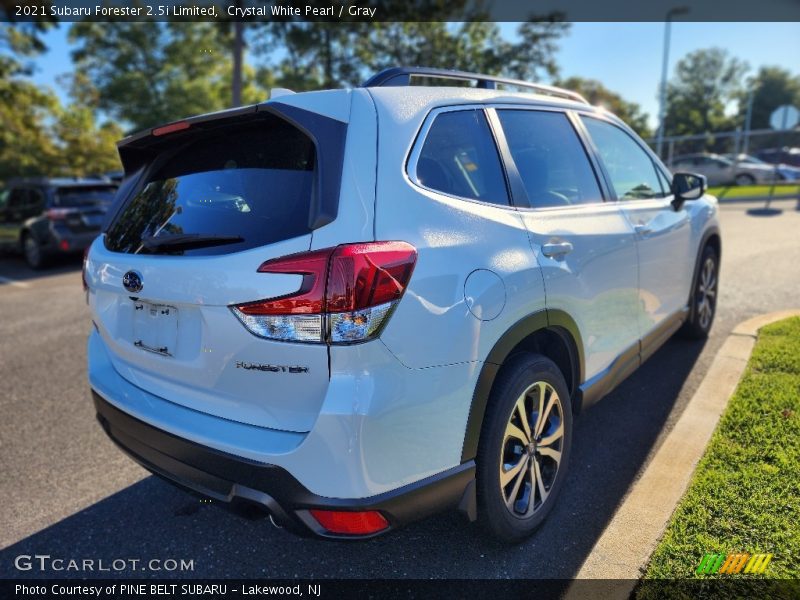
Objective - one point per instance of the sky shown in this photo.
(625, 57)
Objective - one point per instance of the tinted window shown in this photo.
(73, 196)
(460, 158)
(18, 198)
(632, 172)
(550, 158)
(252, 182)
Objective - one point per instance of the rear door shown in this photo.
(186, 246)
(663, 234)
(584, 245)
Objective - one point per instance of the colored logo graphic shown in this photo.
(730, 564)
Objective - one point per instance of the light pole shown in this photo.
(662, 105)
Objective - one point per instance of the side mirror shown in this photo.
(687, 186)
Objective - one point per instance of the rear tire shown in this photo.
(745, 179)
(522, 464)
(703, 303)
(32, 250)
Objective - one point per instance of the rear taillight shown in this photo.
(58, 214)
(346, 296)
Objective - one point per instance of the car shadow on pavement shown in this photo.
(152, 520)
(13, 267)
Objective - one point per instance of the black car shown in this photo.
(44, 216)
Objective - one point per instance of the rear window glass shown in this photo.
(460, 158)
(75, 197)
(237, 189)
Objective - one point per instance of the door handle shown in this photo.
(642, 230)
(556, 249)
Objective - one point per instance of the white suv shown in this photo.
(358, 307)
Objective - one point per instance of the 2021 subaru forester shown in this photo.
(358, 307)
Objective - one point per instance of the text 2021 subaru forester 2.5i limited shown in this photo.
(358, 307)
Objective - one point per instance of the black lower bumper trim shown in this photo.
(230, 478)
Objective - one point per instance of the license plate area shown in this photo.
(155, 327)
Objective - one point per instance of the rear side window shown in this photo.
(239, 188)
(550, 158)
(460, 158)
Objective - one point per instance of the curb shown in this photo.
(623, 550)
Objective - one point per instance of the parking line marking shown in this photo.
(13, 282)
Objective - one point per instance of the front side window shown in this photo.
(632, 172)
(550, 158)
(460, 158)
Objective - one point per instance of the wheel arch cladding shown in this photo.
(551, 333)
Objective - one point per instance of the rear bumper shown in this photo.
(229, 478)
(61, 239)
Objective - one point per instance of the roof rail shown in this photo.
(401, 76)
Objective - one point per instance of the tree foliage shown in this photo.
(324, 55)
(772, 87)
(151, 73)
(37, 135)
(596, 93)
(705, 81)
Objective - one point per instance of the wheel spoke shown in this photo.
(553, 437)
(512, 431)
(507, 476)
(540, 422)
(543, 493)
(551, 453)
(523, 417)
(512, 497)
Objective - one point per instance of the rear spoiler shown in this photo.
(139, 150)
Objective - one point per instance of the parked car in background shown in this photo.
(42, 217)
(720, 170)
(785, 155)
(785, 172)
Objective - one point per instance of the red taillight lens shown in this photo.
(365, 275)
(351, 523)
(346, 295)
(309, 299)
(58, 214)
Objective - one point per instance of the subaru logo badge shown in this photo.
(132, 281)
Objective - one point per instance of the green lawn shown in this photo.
(745, 493)
(752, 191)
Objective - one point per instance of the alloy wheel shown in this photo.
(707, 293)
(532, 446)
(33, 254)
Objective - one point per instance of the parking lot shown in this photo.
(67, 492)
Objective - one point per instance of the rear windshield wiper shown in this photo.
(187, 241)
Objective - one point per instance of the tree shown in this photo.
(151, 73)
(772, 87)
(596, 93)
(26, 146)
(703, 84)
(84, 147)
(325, 55)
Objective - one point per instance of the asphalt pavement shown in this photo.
(66, 491)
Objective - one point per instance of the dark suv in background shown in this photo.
(42, 217)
